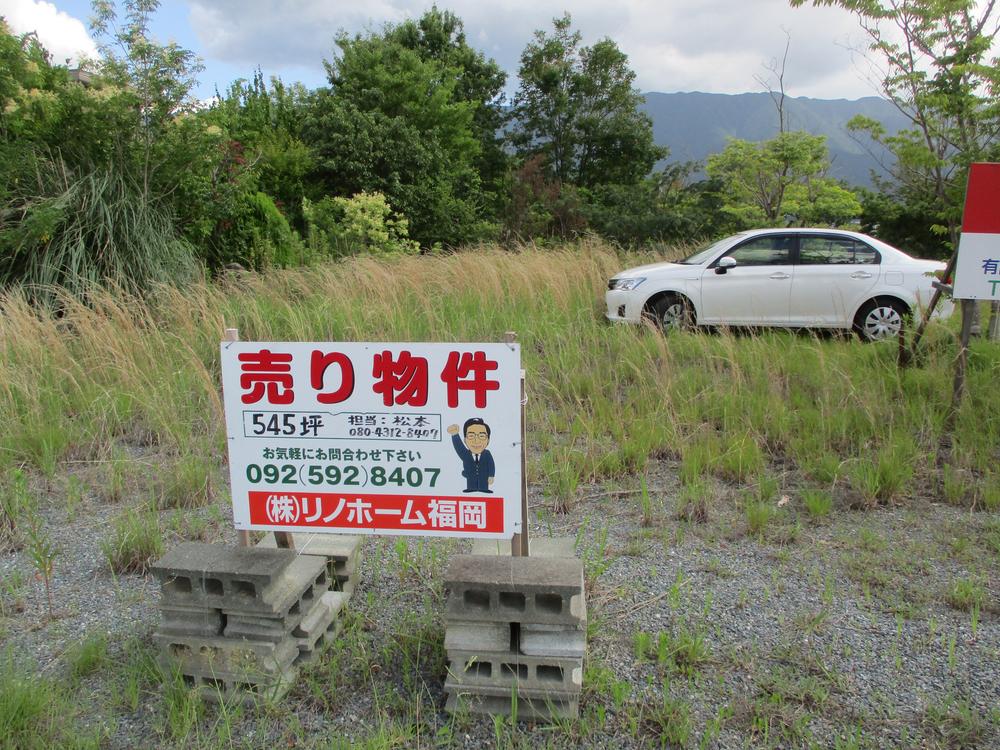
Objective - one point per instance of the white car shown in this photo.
(795, 278)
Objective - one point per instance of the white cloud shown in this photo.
(708, 45)
(65, 37)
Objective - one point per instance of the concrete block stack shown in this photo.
(342, 553)
(516, 626)
(239, 620)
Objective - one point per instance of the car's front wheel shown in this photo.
(672, 313)
(880, 319)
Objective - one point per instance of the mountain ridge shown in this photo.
(695, 124)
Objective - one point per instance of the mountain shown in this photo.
(694, 125)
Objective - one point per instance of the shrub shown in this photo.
(88, 229)
(362, 223)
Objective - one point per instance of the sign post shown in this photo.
(371, 438)
(977, 274)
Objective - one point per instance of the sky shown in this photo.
(716, 46)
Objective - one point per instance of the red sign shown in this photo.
(375, 513)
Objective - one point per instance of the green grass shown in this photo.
(36, 712)
(135, 541)
(603, 399)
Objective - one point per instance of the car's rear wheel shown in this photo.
(880, 319)
(673, 312)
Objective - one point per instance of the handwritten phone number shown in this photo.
(392, 432)
(350, 476)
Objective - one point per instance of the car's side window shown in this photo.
(820, 250)
(770, 250)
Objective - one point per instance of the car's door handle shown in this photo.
(861, 275)
(779, 275)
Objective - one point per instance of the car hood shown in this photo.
(650, 268)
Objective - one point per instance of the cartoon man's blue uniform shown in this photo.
(477, 468)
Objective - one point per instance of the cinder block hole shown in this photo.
(223, 621)
(179, 585)
(206, 651)
(549, 673)
(213, 682)
(244, 588)
(512, 600)
(213, 586)
(321, 579)
(247, 687)
(549, 603)
(477, 599)
(520, 671)
(179, 649)
(479, 669)
(189, 681)
(308, 595)
(515, 637)
(295, 609)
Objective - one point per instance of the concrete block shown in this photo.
(342, 551)
(326, 637)
(261, 627)
(224, 655)
(490, 588)
(197, 621)
(508, 670)
(224, 568)
(301, 582)
(531, 709)
(567, 643)
(543, 546)
(479, 636)
(248, 689)
(312, 627)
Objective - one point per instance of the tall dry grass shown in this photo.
(603, 400)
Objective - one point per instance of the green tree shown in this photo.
(939, 71)
(71, 214)
(391, 122)
(155, 79)
(577, 107)
(440, 36)
(770, 182)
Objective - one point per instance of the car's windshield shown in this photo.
(704, 254)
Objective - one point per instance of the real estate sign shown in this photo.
(368, 438)
(977, 271)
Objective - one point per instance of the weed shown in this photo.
(955, 486)
(135, 541)
(16, 506)
(35, 711)
(646, 504)
(43, 556)
(758, 515)
(818, 503)
(885, 476)
(188, 483)
(684, 650)
(989, 494)
(75, 491)
(967, 594)
(88, 655)
(692, 502)
(669, 720)
(12, 588)
(954, 723)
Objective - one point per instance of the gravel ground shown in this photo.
(830, 634)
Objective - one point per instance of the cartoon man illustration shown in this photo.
(477, 462)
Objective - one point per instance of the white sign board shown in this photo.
(977, 271)
(369, 438)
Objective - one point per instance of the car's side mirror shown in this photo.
(725, 264)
